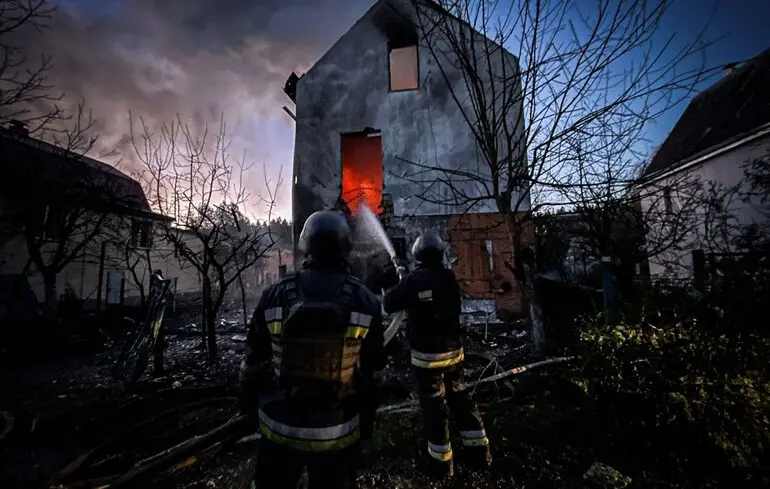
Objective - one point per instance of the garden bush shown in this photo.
(685, 385)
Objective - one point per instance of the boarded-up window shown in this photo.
(404, 68)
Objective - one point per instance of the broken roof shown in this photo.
(734, 106)
(30, 168)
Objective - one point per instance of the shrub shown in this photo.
(694, 390)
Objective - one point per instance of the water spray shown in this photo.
(372, 223)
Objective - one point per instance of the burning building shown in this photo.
(372, 111)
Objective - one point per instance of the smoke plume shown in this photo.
(197, 58)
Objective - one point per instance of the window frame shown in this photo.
(401, 45)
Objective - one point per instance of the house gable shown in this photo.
(348, 92)
(731, 109)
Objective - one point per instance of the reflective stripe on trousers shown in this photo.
(437, 360)
(442, 453)
(320, 439)
(474, 438)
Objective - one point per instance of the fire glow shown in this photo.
(362, 174)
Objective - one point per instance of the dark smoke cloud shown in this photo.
(197, 58)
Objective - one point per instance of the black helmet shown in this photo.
(428, 248)
(326, 236)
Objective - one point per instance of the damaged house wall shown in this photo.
(352, 106)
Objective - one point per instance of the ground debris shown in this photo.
(602, 476)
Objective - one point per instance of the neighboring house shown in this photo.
(372, 106)
(80, 218)
(266, 271)
(724, 128)
(270, 267)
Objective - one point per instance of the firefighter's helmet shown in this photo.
(428, 248)
(326, 236)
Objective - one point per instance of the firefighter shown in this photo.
(312, 371)
(431, 297)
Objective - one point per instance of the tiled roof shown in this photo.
(735, 105)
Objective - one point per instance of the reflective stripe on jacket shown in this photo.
(358, 327)
(318, 439)
(437, 360)
(307, 422)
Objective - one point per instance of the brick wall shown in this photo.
(470, 237)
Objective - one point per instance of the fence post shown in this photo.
(608, 287)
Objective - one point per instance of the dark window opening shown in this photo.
(141, 234)
(667, 201)
(404, 66)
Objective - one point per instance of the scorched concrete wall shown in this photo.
(347, 91)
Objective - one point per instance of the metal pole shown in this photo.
(608, 286)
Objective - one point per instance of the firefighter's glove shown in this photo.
(402, 272)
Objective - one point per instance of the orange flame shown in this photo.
(362, 174)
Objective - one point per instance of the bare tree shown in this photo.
(574, 74)
(24, 86)
(191, 178)
(138, 261)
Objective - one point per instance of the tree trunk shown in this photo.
(209, 319)
(51, 301)
(243, 292)
(532, 300)
(526, 276)
(243, 301)
(211, 336)
(206, 299)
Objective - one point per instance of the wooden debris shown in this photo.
(8, 422)
(207, 445)
(248, 438)
(409, 406)
(90, 483)
(81, 460)
(522, 369)
(180, 451)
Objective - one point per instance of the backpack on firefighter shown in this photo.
(316, 348)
